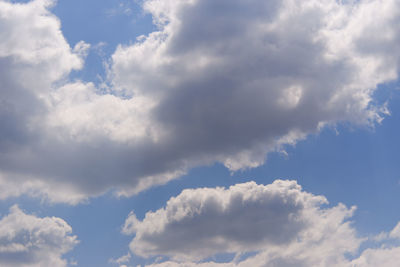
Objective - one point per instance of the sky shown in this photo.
(194, 133)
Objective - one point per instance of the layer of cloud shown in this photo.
(29, 241)
(219, 81)
(274, 225)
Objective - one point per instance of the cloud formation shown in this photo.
(29, 241)
(225, 81)
(276, 225)
(245, 217)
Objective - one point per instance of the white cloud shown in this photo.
(370, 257)
(29, 241)
(123, 259)
(277, 225)
(280, 220)
(33, 51)
(225, 81)
(389, 257)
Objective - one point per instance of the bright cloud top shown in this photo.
(29, 241)
(278, 224)
(219, 81)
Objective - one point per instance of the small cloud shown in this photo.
(81, 49)
(123, 259)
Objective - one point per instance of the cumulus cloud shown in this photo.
(277, 225)
(236, 79)
(29, 241)
(218, 81)
(279, 219)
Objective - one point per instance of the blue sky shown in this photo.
(110, 115)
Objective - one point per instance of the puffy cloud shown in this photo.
(33, 55)
(283, 222)
(33, 50)
(276, 225)
(29, 241)
(236, 79)
(218, 81)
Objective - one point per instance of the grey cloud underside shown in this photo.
(203, 222)
(275, 225)
(278, 224)
(17, 105)
(225, 81)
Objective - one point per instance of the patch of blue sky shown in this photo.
(104, 25)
